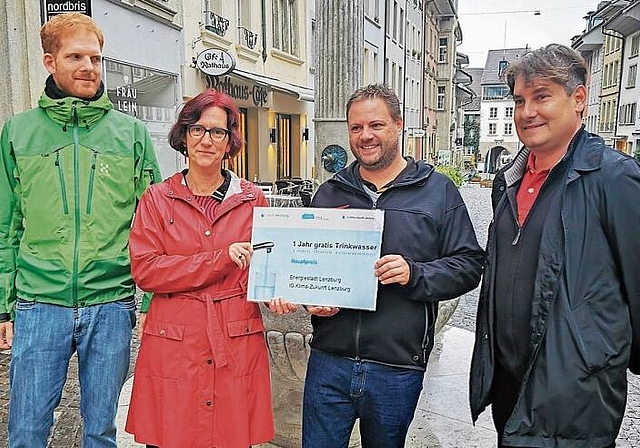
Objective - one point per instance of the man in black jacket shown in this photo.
(559, 311)
(370, 365)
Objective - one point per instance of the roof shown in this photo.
(490, 75)
(476, 77)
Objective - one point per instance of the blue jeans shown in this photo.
(339, 390)
(46, 336)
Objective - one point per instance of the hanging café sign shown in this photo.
(215, 62)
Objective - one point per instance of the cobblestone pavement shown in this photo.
(67, 430)
(478, 202)
(67, 426)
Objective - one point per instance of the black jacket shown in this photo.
(585, 326)
(427, 223)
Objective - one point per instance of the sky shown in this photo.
(495, 24)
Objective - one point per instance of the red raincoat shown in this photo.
(202, 374)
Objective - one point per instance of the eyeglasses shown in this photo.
(216, 134)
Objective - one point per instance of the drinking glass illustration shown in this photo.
(264, 286)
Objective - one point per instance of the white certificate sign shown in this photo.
(316, 256)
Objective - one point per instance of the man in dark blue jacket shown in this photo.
(559, 310)
(370, 365)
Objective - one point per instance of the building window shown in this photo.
(627, 114)
(493, 112)
(442, 50)
(495, 92)
(508, 129)
(285, 26)
(631, 77)
(401, 27)
(312, 48)
(440, 101)
(215, 6)
(394, 76)
(246, 36)
(244, 13)
(635, 45)
(372, 10)
(508, 112)
(502, 65)
(493, 128)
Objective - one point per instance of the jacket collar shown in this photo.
(177, 188)
(585, 150)
(61, 110)
(415, 171)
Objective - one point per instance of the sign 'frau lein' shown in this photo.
(215, 62)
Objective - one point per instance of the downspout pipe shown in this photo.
(264, 31)
(620, 79)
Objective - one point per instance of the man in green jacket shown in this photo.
(71, 171)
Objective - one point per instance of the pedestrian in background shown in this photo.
(369, 365)
(558, 320)
(202, 374)
(71, 171)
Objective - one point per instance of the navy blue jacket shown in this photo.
(585, 326)
(427, 223)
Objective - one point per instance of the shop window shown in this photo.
(239, 163)
(284, 149)
(150, 95)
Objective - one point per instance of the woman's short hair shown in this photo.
(52, 31)
(191, 112)
(555, 62)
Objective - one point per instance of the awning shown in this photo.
(302, 93)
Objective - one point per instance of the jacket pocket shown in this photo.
(592, 342)
(247, 347)
(164, 330)
(245, 327)
(162, 352)
(63, 186)
(92, 178)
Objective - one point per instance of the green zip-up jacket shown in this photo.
(71, 172)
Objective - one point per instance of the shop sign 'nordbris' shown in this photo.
(50, 8)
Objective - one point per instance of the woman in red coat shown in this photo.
(202, 374)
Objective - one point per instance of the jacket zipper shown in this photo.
(359, 324)
(76, 192)
(92, 176)
(63, 186)
(425, 339)
(517, 238)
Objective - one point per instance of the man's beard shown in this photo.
(388, 154)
